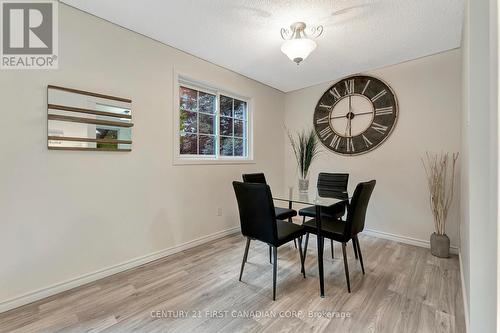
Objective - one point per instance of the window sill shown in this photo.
(200, 161)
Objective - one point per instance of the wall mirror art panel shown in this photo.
(81, 120)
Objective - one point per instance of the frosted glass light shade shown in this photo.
(297, 49)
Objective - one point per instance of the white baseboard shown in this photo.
(466, 304)
(404, 239)
(90, 277)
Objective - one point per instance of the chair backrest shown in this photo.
(257, 216)
(356, 211)
(336, 182)
(254, 178)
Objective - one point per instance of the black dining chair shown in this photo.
(258, 222)
(328, 183)
(281, 213)
(344, 231)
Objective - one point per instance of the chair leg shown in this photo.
(320, 240)
(245, 256)
(275, 270)
(305, 246)
(270, 254)
(359, 254)
(302, 270)
(354, 247)
(331, 244)
(346, 268)
(294, 241)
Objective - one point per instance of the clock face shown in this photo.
(355, 115)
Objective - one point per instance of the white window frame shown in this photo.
(178, 159)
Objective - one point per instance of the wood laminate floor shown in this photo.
(405, 289)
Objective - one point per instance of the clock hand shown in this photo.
(362, 113)
(338, 117)
(356, 114)
(349, 121)
(349, 116)
(348, 127)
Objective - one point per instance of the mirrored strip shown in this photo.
(88, 120)
(65, 138)
(88, 111)
(88, 93)
(58, 144)
(80, 132)
(113, 118)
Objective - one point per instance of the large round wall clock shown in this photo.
(356, 115)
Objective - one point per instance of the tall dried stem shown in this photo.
(441, 185)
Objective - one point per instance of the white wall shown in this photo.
(65, 214)
(429, 96)
(480, 225)
(464, 179)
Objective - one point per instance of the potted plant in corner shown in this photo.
(440, 170)
(305, 148)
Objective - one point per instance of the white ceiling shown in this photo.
(244, 35)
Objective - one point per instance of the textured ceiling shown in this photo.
(244, 35)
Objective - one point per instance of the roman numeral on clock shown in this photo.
(325, 106)
(379, 128)
(323, 120)
(377, 96)
(335, 93)
(366, 87)
(349, 86)
(325, 133)
(368, 143)
(384, 111)
(335, 142)
(350, 145)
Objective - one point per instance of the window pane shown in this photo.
(189, 144)
(188, 121)
(206, 103)
(207, 145)
(207, 124)
(240, 109)
(226, 126)
(188, 98)
(239, 147)
(226, 106)
(239, 128)
(226, 146)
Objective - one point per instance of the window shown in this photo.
(232, 126)
(197, 122)
(213, 125)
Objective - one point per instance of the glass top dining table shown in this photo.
(313, 197)
(318, 198)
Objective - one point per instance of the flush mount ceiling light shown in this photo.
(299, 44)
